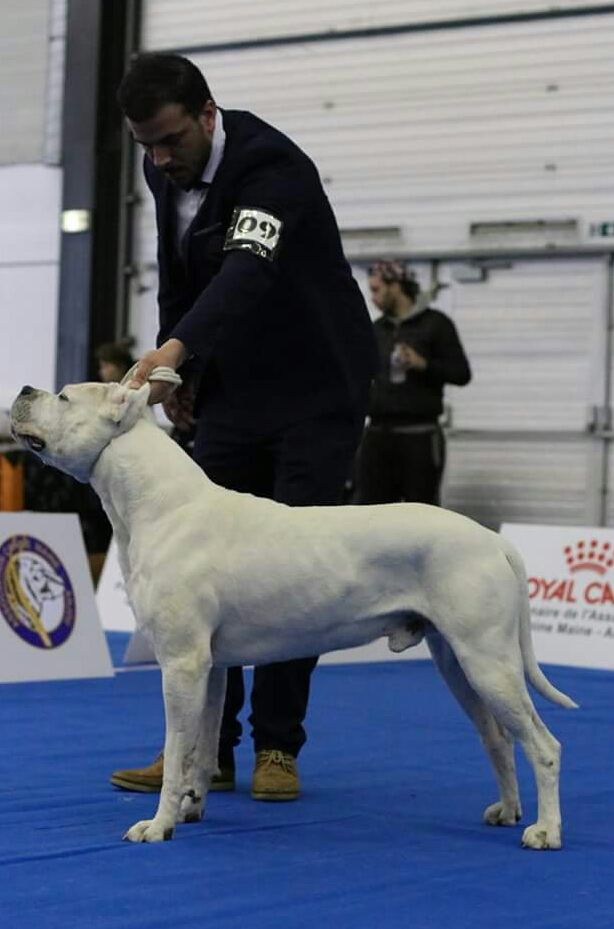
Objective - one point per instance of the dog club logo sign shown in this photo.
(580, 599)
(37, 599)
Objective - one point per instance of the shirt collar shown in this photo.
(421, 304)
(217, 149)
(396, 321)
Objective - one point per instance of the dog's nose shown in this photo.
(26, 390)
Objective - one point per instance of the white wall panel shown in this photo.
(29, 261)
(190, 22)
(29, 219)
(28, 297)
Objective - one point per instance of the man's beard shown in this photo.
(188, 178)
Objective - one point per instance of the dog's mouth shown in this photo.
(31, 441)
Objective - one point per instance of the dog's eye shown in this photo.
(63, 397)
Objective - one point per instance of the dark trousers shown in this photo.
(303, 464)
(394, 466)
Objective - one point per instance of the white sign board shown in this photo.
(571, 589)
(49, 625)
(115, 610)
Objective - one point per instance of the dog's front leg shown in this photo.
(204, 763)
(184, 684)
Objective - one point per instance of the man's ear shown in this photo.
(120, 400)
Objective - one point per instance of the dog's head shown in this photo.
(69, 430)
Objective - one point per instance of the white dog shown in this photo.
(218, 578)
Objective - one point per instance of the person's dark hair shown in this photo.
(392, 271)
(116, 353)
(154, 80)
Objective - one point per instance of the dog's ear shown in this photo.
(120, 400)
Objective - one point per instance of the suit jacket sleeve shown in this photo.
(275, 183)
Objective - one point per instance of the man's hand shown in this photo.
(410, 357)
(179, 406)
(169, 355)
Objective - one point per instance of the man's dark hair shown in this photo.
(394, 271)
(154, 80)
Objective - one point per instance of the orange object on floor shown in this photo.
(11, 485)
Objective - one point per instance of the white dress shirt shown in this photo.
(189, 202)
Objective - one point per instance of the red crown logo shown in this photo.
(589, 556)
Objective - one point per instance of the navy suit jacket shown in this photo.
(278, 333)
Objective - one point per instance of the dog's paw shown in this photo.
(148, 830)
(502, 814)
(540, 836)
(191, 808)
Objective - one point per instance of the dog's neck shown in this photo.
(166, 478)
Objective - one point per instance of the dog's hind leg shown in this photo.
(497, 741)
(544, 753)
(204, 760)
(184, 683)
(501, 684)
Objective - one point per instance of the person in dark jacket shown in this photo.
(402, 454)
(262, 318)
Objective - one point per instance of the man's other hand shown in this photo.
(179, 407)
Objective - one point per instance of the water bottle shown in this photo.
(397, 365)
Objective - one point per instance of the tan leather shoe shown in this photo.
(149, 779)
(275, 776)
(146, 780)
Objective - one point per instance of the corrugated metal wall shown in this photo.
(542, 319)
(545, 481)
(422, 134)
(183, 23)
(520, 446)
(52, 153)
(23, 75)
(430, 132)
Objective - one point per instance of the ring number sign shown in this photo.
(254, 230)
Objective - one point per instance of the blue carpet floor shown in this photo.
(387, 833)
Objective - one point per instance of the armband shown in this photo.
(255, 231)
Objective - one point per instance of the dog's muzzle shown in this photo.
(20, 412)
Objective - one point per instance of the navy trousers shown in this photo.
(394, 466)
(302, 464)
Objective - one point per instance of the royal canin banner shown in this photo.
(570, 572)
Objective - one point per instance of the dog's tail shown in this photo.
(531, 668)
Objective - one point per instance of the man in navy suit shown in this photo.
(260, 314)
